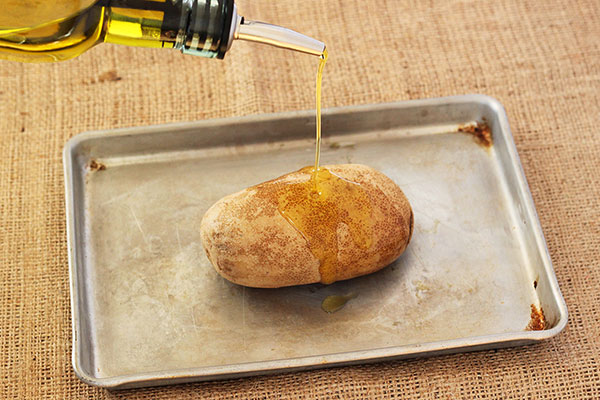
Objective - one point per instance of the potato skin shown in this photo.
(249, 243)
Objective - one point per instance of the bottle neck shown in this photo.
(199, 27)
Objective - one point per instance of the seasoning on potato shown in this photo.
(339, 223)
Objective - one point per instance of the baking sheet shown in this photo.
(149, 309)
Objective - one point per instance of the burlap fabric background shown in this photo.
(541, 59)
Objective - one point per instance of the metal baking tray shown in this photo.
(148, 308)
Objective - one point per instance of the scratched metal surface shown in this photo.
(148, 308)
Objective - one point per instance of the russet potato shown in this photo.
(250, 242)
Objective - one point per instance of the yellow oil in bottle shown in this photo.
(60, 38)
(19, 15)
(317, 206)
(62, 29)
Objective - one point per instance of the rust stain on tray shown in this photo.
(96, 166)
(480, 131)
(538, 321)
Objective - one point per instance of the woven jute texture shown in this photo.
(540, 59)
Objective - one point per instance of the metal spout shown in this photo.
(274, 35)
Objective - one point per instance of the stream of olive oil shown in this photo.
(322, 61)
(322, 202)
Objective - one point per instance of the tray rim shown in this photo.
(425, 349)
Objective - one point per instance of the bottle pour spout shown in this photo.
(274, 35)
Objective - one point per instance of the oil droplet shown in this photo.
(336, 302)
(318, 206)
